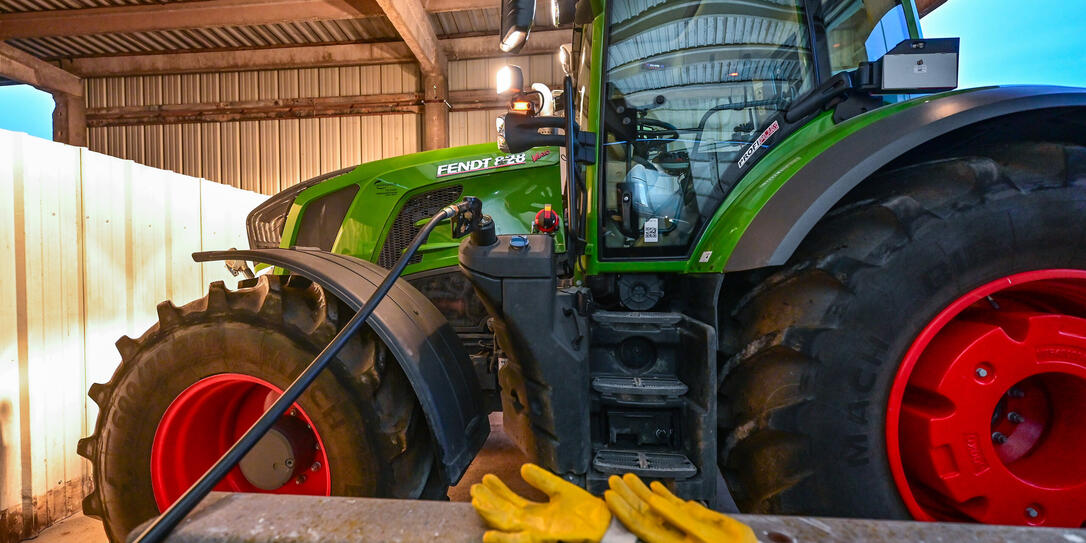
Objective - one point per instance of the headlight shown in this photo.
(265, 222)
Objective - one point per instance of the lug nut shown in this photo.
(982, 373)
(300, 480)
(1015, 417)
(316, 466)
(289, 463)
(1032, 513)
(293, 412)
(998, 438)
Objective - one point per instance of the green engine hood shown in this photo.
(513, 188)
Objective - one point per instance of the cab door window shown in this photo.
(689, 85)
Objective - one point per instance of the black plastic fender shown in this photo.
(793, 211)
(423, 342)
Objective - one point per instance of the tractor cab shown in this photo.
(681, 99)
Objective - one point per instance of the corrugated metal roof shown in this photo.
(227, 37)
(466, 22)
(16, 6)
(479, 21)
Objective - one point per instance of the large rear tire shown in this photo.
(193, 383)
(875, 374)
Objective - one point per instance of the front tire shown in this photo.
(192, 384)
(853, 354)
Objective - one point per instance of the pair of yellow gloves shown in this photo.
(573, 515)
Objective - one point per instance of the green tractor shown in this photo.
(747, 249)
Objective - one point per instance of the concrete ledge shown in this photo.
(240, 518)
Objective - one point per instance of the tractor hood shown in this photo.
(374, 210)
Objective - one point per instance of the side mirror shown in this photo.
(562, 12)
(911, 67)
(565, 58)
(919, 66)
(517, 18)
(518, 133)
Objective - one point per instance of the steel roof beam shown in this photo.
(546, 41)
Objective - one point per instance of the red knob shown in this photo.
(546, 220)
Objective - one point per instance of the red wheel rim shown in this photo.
(210, 416)
(987, 414)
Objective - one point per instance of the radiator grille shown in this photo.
(422, 206)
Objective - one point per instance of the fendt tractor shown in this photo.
(760, 250)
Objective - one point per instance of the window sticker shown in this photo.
(652, 230)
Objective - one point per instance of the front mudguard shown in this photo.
(423, 342)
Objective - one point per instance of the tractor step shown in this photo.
(655, 465)
(647, 391)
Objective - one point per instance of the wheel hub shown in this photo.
(284, 454)
(208, 417)
(993, 416)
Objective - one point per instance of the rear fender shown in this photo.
(790, 213)
(418, 335)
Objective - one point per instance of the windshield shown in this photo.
(693, 93)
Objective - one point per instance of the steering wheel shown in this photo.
(658, 130)
(658, 133)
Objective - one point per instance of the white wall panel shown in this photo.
(51, 281)
(10, 443)
(89, 244)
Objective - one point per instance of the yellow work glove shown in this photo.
(658, 516)
(571, 515)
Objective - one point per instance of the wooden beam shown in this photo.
(178, 15)
(254, 110)
(413, 24)
(473, 100)
(288, 108)
(925, 7)
(69, 119)
(436, 6)
(439, 6)
(248, 59)
(546, 41)
(435, 112)
(26, 68)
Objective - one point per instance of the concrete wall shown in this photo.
(270, 155)
(89, 244)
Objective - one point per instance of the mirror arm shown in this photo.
(824, 95)
(573, 221)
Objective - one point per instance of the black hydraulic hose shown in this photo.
(167, 521)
